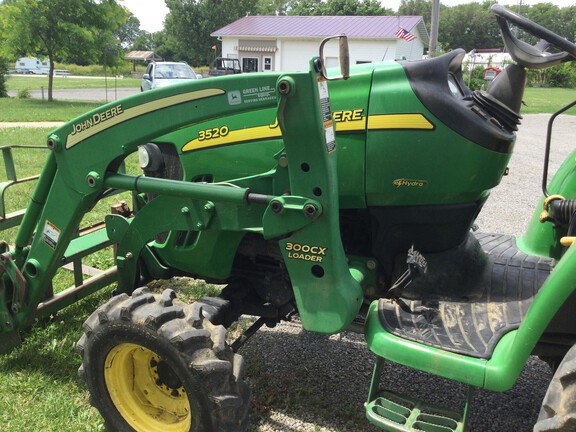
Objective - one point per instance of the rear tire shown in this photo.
(153, 363)
(558, 412)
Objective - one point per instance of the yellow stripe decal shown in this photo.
(116, 115)
(351, 126)
(220, 136)
(236, 137)
(399, 121)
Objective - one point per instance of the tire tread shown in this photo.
(558, 412)
(199, 343)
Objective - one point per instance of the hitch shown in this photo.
(19, 285)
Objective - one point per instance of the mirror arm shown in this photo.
(344, 58)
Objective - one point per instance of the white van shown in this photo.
(31, 65)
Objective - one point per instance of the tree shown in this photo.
(130, 31)
(60, 29)
(353, 7)
(189, 24)
(569, 18)
(3, 72)
(563, 75)
(549, 16)
(146, 41)
(421, 8)
(304, 7)
(339, 7)
(469, 26)
(273, 7)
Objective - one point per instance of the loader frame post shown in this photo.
(327, 294)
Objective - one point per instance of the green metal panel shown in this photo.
(211, 254)
(245, 144)
(414, 159)
(229, 147)
(86, 244)
(541, 238)
(350, 101)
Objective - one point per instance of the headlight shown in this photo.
(150, 158)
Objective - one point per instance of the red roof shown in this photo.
(360, 27)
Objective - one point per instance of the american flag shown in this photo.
(404, 34)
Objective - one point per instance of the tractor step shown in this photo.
(394, 412)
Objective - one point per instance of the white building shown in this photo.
(281, 43)
(487, 57)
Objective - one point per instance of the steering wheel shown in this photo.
(532, 56)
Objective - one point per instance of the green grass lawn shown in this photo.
(27, 162)
(35, 82)
(40, 389)
(547, 100)
(36, 110)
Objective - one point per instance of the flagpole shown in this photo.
(433, 43)
(384, 56)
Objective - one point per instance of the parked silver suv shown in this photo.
(161, 74)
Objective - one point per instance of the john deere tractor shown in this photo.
(322, 195)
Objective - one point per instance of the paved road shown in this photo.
(102, 95)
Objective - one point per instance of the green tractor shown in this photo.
(308, 193)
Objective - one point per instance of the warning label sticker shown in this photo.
(50, 234)
(330, 138)
(326, 115)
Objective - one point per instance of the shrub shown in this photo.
(563, 75)
(476, 81)
(24, 94)
(3, 73)
(123, 68)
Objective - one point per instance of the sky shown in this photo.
(151, 13)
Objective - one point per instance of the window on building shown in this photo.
(250, 64)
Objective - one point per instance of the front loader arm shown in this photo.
(87, 150)
(85, 158)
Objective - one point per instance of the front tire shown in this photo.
(153, 363)
(558, 412)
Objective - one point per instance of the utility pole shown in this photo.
(433, 44)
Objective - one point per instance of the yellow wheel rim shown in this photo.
(145, 390)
